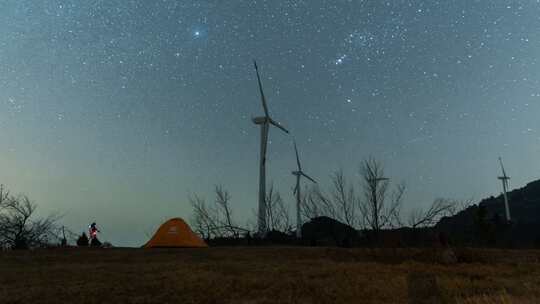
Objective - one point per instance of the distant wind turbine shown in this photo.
(265, 122)
(298, 173)
(504, 179)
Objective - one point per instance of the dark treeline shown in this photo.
(367, 211)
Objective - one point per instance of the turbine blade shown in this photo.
(297, 158)
(502, 167)
(277, 124)
(265, 107)
(308, 177)
(295, 189)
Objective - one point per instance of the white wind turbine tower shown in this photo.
(504, 179)
(265, 122)
(298, 173)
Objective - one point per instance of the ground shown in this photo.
(268, 275)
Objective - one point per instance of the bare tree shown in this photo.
(392, 212)
(308, 205)
(458, 205)
(316, 203)
(278, 217)
(215, 220)
(438, 209)
(376, 211)
(19, 229)
(339, 203)
(204, 219)
(66, 235)
(375, 188)
(4, 196)
(344, 199)
(222, 200)
(430, 216)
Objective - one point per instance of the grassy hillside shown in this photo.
(268, 275)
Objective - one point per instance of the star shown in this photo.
(340, 59)
(342, 75)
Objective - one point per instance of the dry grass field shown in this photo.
(268, 275)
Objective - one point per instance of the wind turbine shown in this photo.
(504, 179)
(265, 122)
(299, 173)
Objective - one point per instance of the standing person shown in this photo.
(92, 231)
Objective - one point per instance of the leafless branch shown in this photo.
(391, 217)
(438, 209)
(204, 218)
(344, 198)
(374, 190)
(18, 226)
(278, 216)
(211, 221)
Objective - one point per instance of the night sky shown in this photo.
(115, 111)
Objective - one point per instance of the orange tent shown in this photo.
(175, 233)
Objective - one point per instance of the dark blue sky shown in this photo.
(114, 111)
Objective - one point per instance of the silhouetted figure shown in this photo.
(82, 241)
(92, 231)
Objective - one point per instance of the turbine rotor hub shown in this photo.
(259, 120)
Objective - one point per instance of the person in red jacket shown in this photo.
(92, 231)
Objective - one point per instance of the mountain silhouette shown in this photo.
(484, 224)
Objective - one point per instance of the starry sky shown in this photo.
(116, 111)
